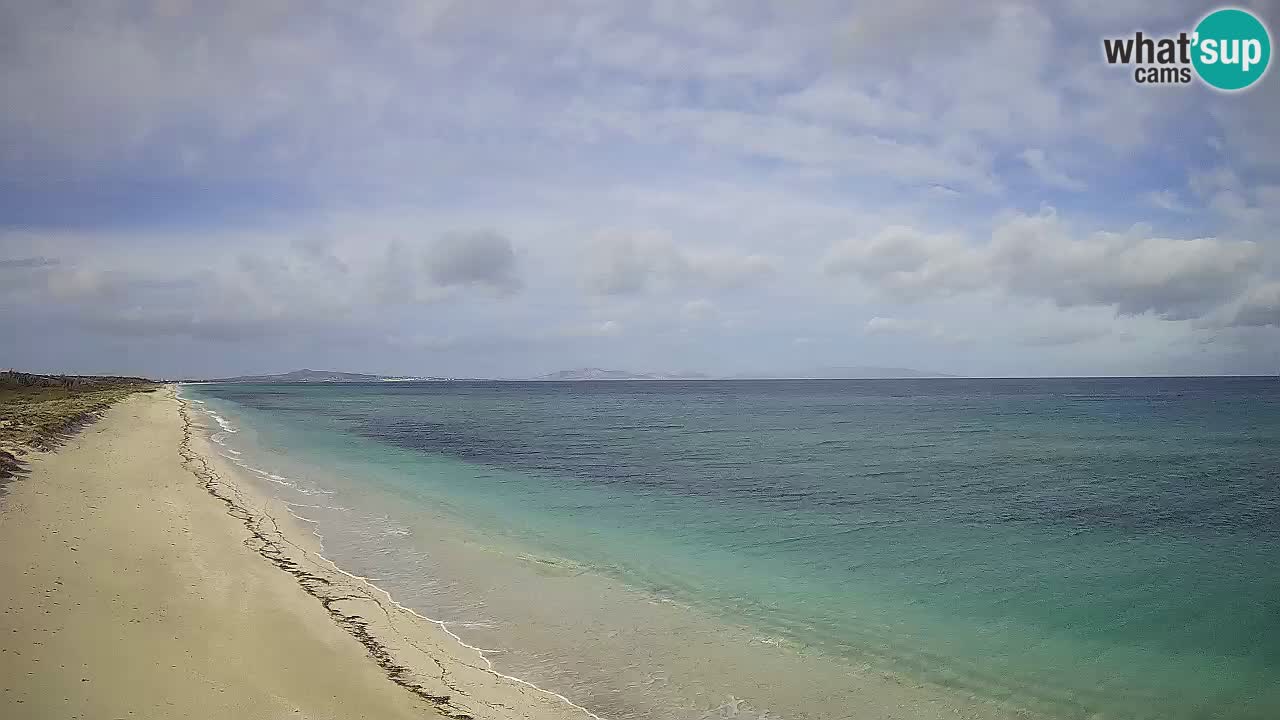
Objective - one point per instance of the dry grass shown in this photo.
(39, 411)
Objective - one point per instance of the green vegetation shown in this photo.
(38, 411)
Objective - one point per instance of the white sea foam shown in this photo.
(335, 508)
(277, 479)
(222, 422)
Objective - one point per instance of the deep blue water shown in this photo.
(1077, 546)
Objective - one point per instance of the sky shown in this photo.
(504, 189)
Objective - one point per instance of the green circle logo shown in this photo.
(1232, 49)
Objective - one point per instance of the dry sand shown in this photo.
(139, 580)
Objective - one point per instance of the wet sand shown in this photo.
(136, 582)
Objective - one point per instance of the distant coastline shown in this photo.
(318, 376)
(584, 374)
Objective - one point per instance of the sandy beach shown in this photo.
(139, 580)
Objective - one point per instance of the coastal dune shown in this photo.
(141, 581)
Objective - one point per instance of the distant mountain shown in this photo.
(316, 376)
(590, 373)
(603, 374)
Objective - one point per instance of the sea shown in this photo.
(1058, 548)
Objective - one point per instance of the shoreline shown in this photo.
(314, 584)
(411, 664)
(129, 592)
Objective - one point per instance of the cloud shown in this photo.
(1112, 13)
(204, 323)
(254, 297)
(630, 263)
(831, 99)
(1209, 182)
(418, 273)
(890, 326)
(1039, 164)
(907, 263)
(592, 329)
(626, 265)
(1259, 308)
(932, 331)
(1057, 337)
(1249, 137)
(26, 263)
(1006, 74)
(1038, 256)
(605, 328)
(483, 259)
(917, 27)
(700, 310)
(1165, 200)
(1247, 208)
(310, 97)
(806, 145)
(303, 282)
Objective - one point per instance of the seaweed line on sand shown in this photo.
(267, 539)
(270, 543)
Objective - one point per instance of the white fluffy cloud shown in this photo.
(632, 263)
(483, 259)
(1039, 256)
(292, 285)
(1260, 308)
(908, 263)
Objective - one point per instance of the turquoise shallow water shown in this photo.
(1077, 547)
